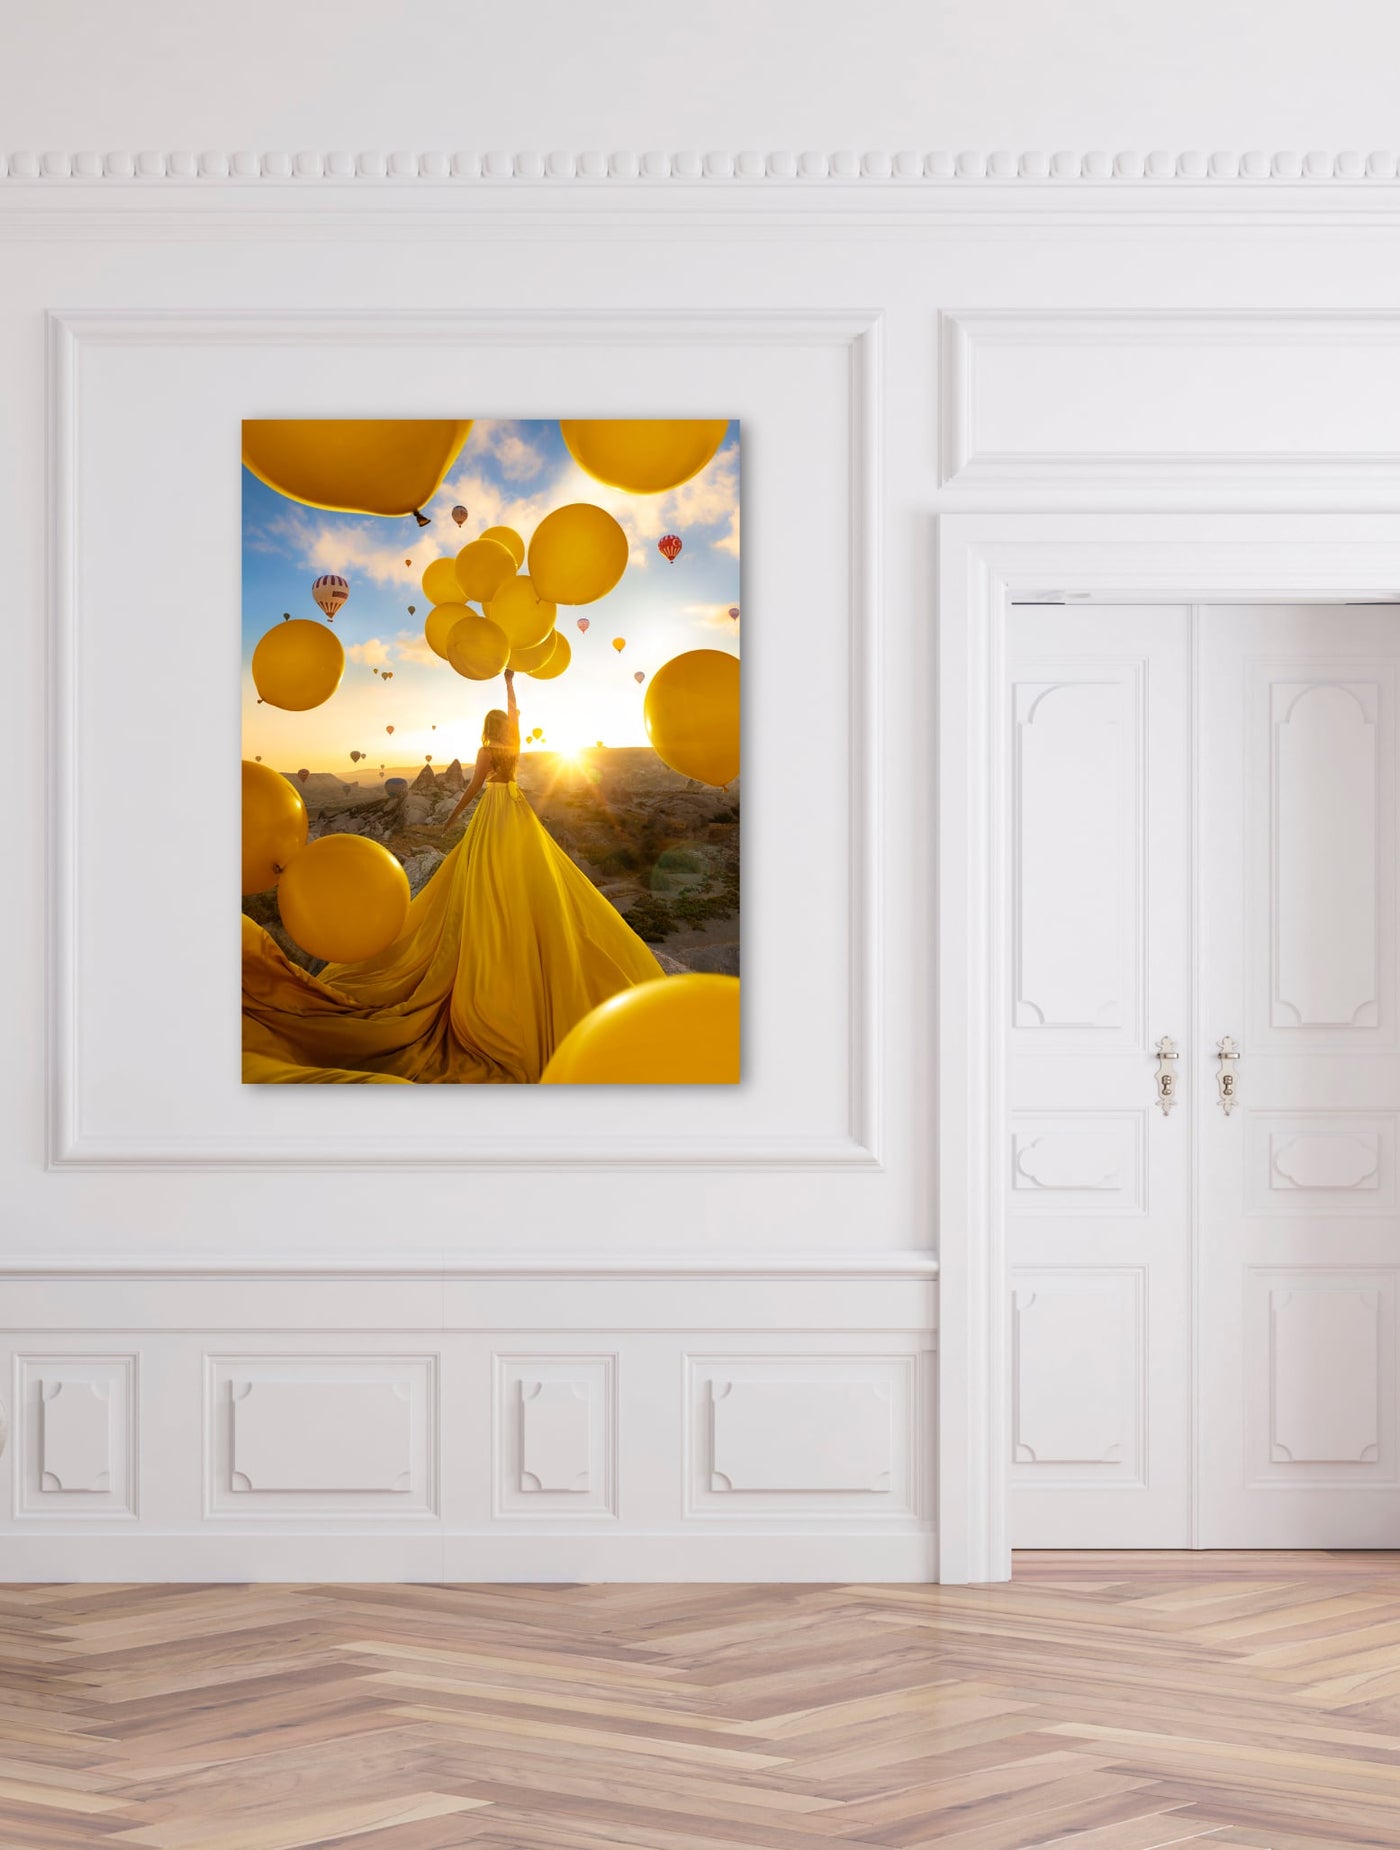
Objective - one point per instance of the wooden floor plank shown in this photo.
(1098, 1702)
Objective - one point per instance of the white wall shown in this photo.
(738, 1355)
(729, 74)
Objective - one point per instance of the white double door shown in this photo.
(1200, 844)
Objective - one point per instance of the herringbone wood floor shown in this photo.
(1108, 1702)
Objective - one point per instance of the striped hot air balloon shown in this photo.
(669, 546)
(330, 592)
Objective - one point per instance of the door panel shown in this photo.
(1298, 1186)
(1097, 1203)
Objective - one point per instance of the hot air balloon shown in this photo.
(434, 728)
(428, 759)
(388, 674)
(286, 616)
(355, 757)
(303, 775)
(408, 562)
(258, 759)
(669, 545)
(394, 786)
(639, 677)
(413, 610)
(583, 626)
(734, 612)
(388, 729)
(619, 643)
(459, 514)
(330, 592)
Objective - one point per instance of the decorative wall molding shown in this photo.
(1265, 403)
(941, 167)
(353, 1266)
(853, 334)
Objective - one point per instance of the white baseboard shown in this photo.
(429, 1559)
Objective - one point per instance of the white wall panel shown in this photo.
(806, 1436)
(461, 1446)
(77, 1435)
(556, 1427)
(322, 1434)
(1103, 399)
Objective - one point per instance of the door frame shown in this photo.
(985, 562)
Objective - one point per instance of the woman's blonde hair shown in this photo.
(497, 730)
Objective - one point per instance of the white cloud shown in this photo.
(713, 616)
(374, 653)
(412, 646)
(518, 457)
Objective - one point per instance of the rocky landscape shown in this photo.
(662, 848)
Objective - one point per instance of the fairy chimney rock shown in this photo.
(424, 779)
(453, 778)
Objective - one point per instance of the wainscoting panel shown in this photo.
(76, 1435)
(648, 1422)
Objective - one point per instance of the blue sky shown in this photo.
(509, 473)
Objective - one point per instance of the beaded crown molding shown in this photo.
(905, 166)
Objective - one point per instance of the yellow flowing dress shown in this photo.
(505, 948)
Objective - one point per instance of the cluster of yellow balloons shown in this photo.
(692, 715)
(674, 1031)
(343, 898)
(576, 555)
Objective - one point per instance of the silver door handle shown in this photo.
(1167, 1057)
(1227, 1077)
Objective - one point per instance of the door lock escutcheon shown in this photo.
(1167, 1057)
(1227, 1077)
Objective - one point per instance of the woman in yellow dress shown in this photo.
(505, 948)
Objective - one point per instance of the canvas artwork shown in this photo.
(490, 718)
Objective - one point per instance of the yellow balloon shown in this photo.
(274, 826)
(477, 648)
(692, 715)
(298, 665)
(511, 540)
(528, 660)
(673, 1031)
(524, 616)
(482, 567)
(344, 898)
(359, 465)
(440, 583)
(440, 624)
(577, 554)
(555, 662)
(643, 455)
